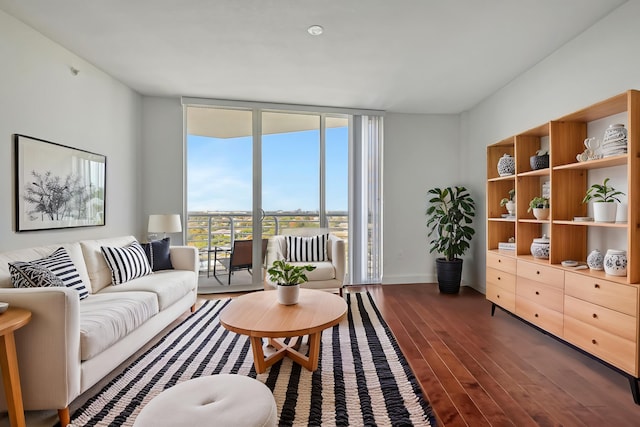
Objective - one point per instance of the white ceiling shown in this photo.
(410, 56)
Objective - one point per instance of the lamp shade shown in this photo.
(169, 223)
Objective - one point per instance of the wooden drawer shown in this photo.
(616, 296)
(541, 273)
(506, 281)
(501, 262)
(617, 323)
(547, 296)
(609, 347)
(501, 297)
(547, 319)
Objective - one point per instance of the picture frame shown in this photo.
(57, 186)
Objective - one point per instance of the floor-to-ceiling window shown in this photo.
(269, 168)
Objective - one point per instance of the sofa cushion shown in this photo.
(158, 253)
(323, 271)
(107, 318)
(307, 248)
(97, 268)
(126, 263)
(60, 264)
(168, 285)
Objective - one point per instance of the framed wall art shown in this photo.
(57, 186)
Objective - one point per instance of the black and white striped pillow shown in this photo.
(126, 263)
(59, 263)
(307, 249)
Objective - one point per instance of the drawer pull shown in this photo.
(537, 272)
(536, 315)
(537, 293)
(498, 295)
(594, 341)
(595, 316)
(596, 286)
(498, 277)
(499, 261)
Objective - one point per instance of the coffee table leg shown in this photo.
(314, 351)
(258, 354)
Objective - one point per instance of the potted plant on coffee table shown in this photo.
(449, 215)
(540, 207)
(603, 196)
(288, 277)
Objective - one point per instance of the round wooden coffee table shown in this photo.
(259, 315)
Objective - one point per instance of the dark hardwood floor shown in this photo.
(479, 370)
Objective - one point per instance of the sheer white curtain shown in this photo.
(365, 228)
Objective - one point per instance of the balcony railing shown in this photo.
(209, 229)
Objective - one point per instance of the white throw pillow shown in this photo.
(126, 263)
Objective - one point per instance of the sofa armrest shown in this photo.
(338, 257)
(48, 347)
(185, 258)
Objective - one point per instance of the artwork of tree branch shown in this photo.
(57, 186)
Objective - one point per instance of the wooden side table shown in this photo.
(11, 320)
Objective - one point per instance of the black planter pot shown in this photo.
(449, 275)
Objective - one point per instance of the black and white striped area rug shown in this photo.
(363, 378)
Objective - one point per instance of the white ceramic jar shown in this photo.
(595, 260)
(615, 262)
(540, 247)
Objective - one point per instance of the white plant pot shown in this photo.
(288, 295)
(541, 213)
(511, 207)
(604, 211)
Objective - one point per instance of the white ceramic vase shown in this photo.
(615, 262)
(604, 211)
(511, 207)
(288, 295)
(595, 260)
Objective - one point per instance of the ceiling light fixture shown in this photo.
(315, 30)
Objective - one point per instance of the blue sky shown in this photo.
(219, 172)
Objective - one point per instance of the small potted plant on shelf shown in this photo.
(540, 160)
(540, 207)
(510, 202)
(449, 214)
(288, 278)
(603, 196)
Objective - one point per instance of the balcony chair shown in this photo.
(328, 275)
(241, 256)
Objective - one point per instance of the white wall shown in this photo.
(420, 152)
(162, 159)
(599, 63)
(40, 97)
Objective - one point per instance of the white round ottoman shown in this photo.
(216, 400)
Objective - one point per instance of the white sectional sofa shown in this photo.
(70, 344)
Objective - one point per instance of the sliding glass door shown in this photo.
(253, 173)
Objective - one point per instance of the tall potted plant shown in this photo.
(288, 278)
(449, 214)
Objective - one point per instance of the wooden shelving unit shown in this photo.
(582, 307)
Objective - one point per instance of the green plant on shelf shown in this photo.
(602, 193)
(538, 203)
